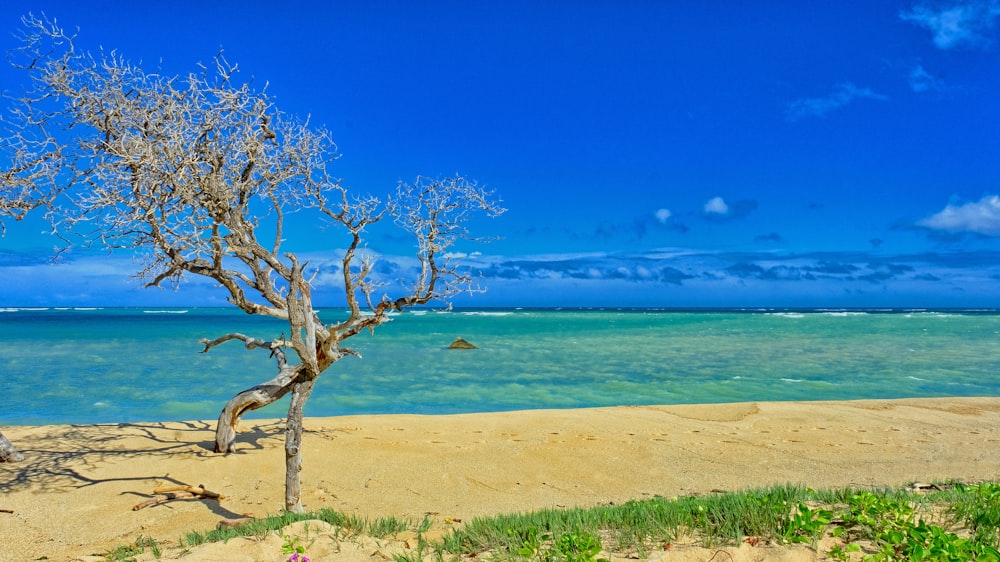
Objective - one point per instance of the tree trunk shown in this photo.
(7, 451)
(249, 400)
(293, 445)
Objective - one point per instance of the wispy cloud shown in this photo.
(922, 81)
(677, 266)
(770, 237)
(843, 95)
(691, 278)
(657, 277)
(83, 279)
(9, 258)
(956, 24)
(587, 267)
(980, 217)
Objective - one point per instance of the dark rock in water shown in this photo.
(460, 343)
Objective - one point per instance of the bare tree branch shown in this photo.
(252, 343)
(198, 175)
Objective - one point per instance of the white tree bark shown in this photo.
(293, 445)
(248, 401)
(7, 451)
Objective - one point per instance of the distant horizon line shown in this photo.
(802, 309)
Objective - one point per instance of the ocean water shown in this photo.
(131, 365)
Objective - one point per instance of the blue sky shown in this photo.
(650, 153)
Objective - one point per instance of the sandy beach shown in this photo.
(74, 494)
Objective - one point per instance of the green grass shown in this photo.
(351, 525)
(128, 552)
(954, 522)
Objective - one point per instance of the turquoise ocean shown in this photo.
(130, 364)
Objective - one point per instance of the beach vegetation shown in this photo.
(949, 522)
(953, 523)
(348, 525)
(978, 506)
(292, 548)
(130, 551)
(202, 176)
(571, 547)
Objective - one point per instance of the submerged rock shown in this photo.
(460, 343)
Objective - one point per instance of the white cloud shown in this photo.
(981, 217)
(922, 81)
(716, 206)
(662, 215)
(819, 107)
(956, 24)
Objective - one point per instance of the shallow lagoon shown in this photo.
(124, 365)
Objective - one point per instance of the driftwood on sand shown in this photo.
(168, 493)
(231, 523)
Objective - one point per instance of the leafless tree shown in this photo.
(200, 176)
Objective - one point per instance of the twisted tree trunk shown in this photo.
(250, 400)
(288, 379)
(293, 445)
(7, 451)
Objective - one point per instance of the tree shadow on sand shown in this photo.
(64, 458)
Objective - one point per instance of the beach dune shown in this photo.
(74, 494)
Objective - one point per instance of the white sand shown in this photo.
(74, 494)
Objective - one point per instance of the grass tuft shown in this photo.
(128, 552)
